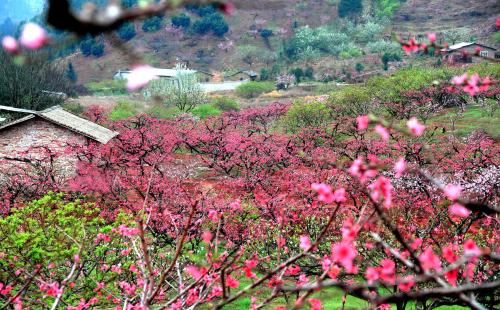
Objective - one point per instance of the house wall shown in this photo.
(25, 141)
(471, 50)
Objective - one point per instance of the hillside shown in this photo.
(168, 45)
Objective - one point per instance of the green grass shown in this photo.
(124, 109)
(473, 118)
(107, 88)
(206, 110)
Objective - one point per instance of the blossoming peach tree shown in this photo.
(174, 214)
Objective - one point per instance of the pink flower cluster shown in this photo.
(326, 195)
(473, 84)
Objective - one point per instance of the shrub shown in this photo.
(152, 24)
(71, 74)
(206, 110)
(369, 32)
(382, 46)
(386, 8)
(351, 101)
(254, 89)
(214, 23)
(309, 43)
(123, 110)
(184, 92)
(264, 74)
(161, 111)
(359, 67)
(225, 103)
(127, 31)
(181, 20)
(389, 57)
(73, 107)
(98, 49)
(306, 114)
(266, 33)
(298, 73)
(350, 8)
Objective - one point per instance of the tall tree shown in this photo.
(350, 8)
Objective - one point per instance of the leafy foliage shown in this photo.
(181, 20)
(213, 22)
(29, 86)
(127, 31)
(253, 89)
(225, 103)
(350, 8)
(152, 24)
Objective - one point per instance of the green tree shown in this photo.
(127, 31)
(181, 20)
(214, 23)
(350, 8)
(29, 86)
(359, 67)
(152, 24)
(71, 74)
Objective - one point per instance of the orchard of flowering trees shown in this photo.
(234, 211)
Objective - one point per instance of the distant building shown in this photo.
(243, 75)
(161, 73)
(467, 52)
(35, 133)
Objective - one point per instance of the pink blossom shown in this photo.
(10, 45)
(382, 187)
(371, 274)
(471, 249)
(315, 304)
(400, 167)
(127, 231)
(449, 254)
(459, 210)
(382, 131)
(344, 253)
(53, 290)
(76, 258)
(429, 260)
(459, 80)
(33, 36)
(388, 271)
(406, 284)
(453, 191)
(305, 243)
(206, 236)
(232, 282)
(139, 77)
(227, 8)
(416, 243)
(415, 127)
(411, 47)
(432, 37)
(363, 122)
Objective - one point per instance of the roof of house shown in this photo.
(59, 116)
(464, 44)
(165, 72)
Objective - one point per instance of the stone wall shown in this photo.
(30, 140)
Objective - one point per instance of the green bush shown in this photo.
(206, 110)
(91, 46)
(306, 114)
(181, 20)
(224, 103)
(213, 22)
(127, 31)
(44, 230)
(73, 107)
(351, 101)
(350, 8)
(161, 111)
(107, 87)
(123, 110)
(254, 89)
(152, 24)
(184, 92)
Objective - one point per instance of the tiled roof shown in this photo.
(59, 116)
